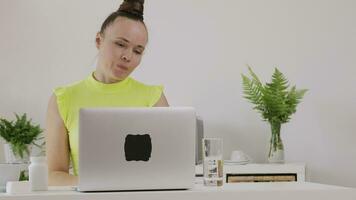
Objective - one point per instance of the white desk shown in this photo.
(245, 191)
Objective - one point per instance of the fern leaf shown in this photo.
(273, 100)
(253, 93)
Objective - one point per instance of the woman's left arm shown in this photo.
(162, 102)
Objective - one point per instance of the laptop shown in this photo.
(136, 148)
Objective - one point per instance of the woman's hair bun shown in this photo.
(132, 9)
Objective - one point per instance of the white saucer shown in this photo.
(239, 162)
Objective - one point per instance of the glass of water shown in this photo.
(213, 161)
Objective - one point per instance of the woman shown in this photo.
(120, 43)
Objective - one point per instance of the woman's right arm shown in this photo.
(57, 147)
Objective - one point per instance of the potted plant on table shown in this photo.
(276, 103)
(20, 135)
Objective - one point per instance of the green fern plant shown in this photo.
(274, 101)
(20, 134)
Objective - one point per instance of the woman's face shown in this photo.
(120, 49)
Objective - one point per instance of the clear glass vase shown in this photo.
(12, 158)
(276, 149)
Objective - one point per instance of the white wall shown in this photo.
(198, 49)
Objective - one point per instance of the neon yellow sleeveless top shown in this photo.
(92, 93)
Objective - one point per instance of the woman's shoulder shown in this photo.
(63, 89)
(140, 85)
(150, 92)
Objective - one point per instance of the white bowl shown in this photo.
(10, 172)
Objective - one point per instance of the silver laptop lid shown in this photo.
(136, 148)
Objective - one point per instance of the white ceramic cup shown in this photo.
(238, 155)
(10, 172)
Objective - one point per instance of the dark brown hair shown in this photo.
(132, 9)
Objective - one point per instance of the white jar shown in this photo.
(38, 174)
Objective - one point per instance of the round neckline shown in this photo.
(106, 87)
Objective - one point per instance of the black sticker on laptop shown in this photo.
(138, 147)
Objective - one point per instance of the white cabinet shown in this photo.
(261, 172)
